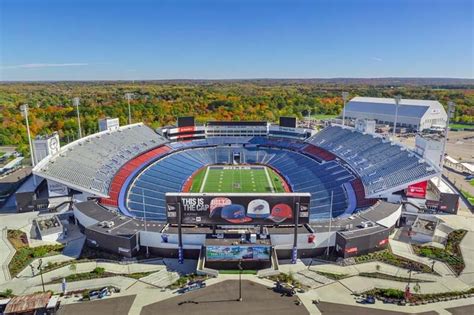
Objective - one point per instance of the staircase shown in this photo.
(274, 268)
(311, 278)
(161, 279)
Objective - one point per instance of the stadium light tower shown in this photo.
(345, 96)
(451, 108)
(398, 98)
(129, 96)
(24, 111)
(75, 101)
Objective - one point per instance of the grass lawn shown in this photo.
(417, 296)
(98, 273)
(468, 196)
(379, 275)
(323, 116)
(236, 272)
(460, 126)
(471, 182)
(386, 256)
(450, 255)
(24, 254)
(213, 179)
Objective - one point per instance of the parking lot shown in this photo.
(221, 298)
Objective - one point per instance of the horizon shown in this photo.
(243, 79)
(143, 40)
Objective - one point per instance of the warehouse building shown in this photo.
(413, 114)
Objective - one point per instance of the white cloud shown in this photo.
(377, 59)
(44, 65)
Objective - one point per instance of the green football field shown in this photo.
(236, 179)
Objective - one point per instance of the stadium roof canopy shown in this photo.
(408, 107)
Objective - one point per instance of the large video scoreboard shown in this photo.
(237, 208)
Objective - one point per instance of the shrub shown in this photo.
(98, 270)
(392, 293)
(8, 293)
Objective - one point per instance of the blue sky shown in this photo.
(191, 39)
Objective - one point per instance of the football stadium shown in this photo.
(223, 191)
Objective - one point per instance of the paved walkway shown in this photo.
(10, 221)
(336, 292)
(27, 282)
(405, 250)
(467, 249)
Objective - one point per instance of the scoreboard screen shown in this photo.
(289, 122)
(185, 121)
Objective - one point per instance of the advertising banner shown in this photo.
(237, 208)
(235, 253)
(417, 190)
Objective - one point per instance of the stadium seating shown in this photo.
(91, 162)
(135, 167)
(146, 196)
(381, 164)
(304, 174)
(126, 170)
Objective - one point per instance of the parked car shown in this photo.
(93, 295)
(104, 292)
(368, 300)
(192, 287)
(199, 282)
(284, 288)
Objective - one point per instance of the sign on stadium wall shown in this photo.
(237, 208)
(235, 253)
(417, 190)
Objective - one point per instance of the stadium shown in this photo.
(224, 192)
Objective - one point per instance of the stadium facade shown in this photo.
(337, 181)
(412, 114)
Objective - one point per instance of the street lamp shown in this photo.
(40, 264)
(75, 101)
(398, 98)
(24, 111)
(240, 280)
(129, 96)
(345, 95)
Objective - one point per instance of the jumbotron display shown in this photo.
(238, 208)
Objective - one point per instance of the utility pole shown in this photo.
(398, 98)
(345, 95)
(129, 96)
(75, 101)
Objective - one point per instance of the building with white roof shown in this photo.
(416, 114)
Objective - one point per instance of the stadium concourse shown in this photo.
(120, 181)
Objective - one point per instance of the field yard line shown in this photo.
(269, 180)
(204, 180)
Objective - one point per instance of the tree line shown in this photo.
(159, 103)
